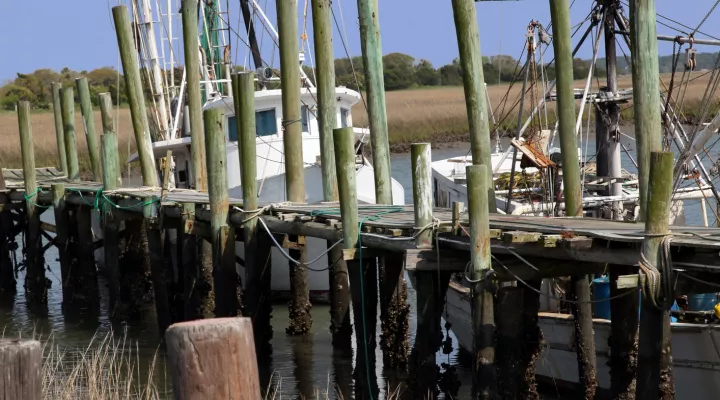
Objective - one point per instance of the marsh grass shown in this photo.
(435, 114)
(107, 368)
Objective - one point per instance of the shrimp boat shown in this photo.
(609, 191)
(173, 127)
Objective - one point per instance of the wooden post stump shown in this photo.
(213, 359)
(20, 369)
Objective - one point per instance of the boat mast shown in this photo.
(607, 138)
(254, 48)
(157, 76)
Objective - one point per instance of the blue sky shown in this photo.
(78, 33)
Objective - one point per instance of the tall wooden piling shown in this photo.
(300, 318)
(136, 99)
(57, 112)
(468, 37)
(227, 299)
(654, 380)
(371, 47)
(89, 123)
(340, 325)
(646, 101)
(257, 255)
(111, 226)
(213, 359)
(189, 11)
(35, 282)
(21, 365)
(68, 117)
(483, 317)
(361, 289)
(562, 44)
(426, 285)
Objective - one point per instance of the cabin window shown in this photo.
(305, 115)
(265, 123)
(344, 113)
(232, 129)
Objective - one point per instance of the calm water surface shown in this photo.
(304, 366)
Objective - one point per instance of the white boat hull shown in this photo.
(696, 355)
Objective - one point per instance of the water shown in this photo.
(304, 366)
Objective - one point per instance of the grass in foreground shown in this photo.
(108, 368)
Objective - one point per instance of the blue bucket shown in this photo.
(601, 291)
(702, 301)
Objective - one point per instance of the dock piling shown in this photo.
(646, 102)
(584, 335)
(189, 11)
(483, 318)
(468, 38)
(136, 99)
(68, 117)
(157, 263)
(86, 274)
(427, 282)
(362, 272)
(371, 47)
(111, 226)
(89, 123)
(108, 128)
(227, 296)
(654, 380)
(340, 325)
(287, 16)
(36, 285)
(257, 249)
(57, 112)
(213, 359)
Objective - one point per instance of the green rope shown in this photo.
(381, 210)
(100, 198)
(35, 193)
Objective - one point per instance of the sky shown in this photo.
(79, 34)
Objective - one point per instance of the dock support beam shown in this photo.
(468, 38)
(157, 263)
(427, 282)
(300, 318)
(89, 123)
(562, 44)
(655, 375)
(136, 99)
(8, 284)
(227, 296)
(623, 335)
(68, 117)
(362, 278)
(646, 102)
(87, 273)
(340, 325)
(394, 311)
(36, 285)
(258, 264)
(189, 11)
(57, 112)
(584, 335)
(111, 226)
(483, 317)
